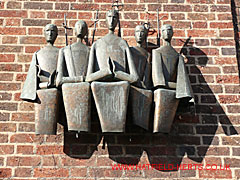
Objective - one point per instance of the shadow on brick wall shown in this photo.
(235, 21)
(192, 133)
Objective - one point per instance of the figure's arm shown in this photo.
(157, 71)
(147, 73)
(60, 65)
(133, 76)
(99, 75)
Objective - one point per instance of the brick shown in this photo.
(51, 172)
(227, 99)
(13, 22)
(223, 1)
(13, 31)
(10, 86)
(209, 140)
(4, 116)
(6, 76)
(22, 138)
(9, 40)
(5, 96)
(14, 5)
(79, 172)
(224, 16)
(217, 8)
(7, 127)
(201, 16)
(202, 25)
(5, 172)
(37, 14)
(8, 106)
(225, 60)
(85, 15)
(62, 6)
(3, 138)
(208, 99)
(226, 33)
(227, 79)
(31, 49)
(24, 58)
(177, 8)
(221, 25)
(24, 117)
(46, 150)
(228, 51)
(203, 129)
(201, 8)
(12, 49)
(55, 139)
(84, 7)
(26, 106)
(23, 172)
(26, 127)
(21, 77)
(232, 141)
(13, 13)
(232, 89)
(205, 70)
(207, 89)
(230, 69)
(201, 1)
(36, 5)
(24, 149)
(23, 161)
(60, 15)
(51, 161)
(233, 108)
(201, 33)
(234, 162)
(103, 172)
(35, 22)
(130, 7)
(178, 16)
(32, 40)
(210, 109)
(222, 42)
(68, 161)
(6, 149)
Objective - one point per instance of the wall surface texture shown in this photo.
(206, 135)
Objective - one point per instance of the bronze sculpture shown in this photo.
(141, 96)
(39, 86)
(110, 60)
(71, 72)
(170, 80)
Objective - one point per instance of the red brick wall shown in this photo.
(208, 136)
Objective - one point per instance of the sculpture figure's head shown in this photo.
(112, 18)
(50, 33)
(81, 29)
(141, 34)
(167, 32)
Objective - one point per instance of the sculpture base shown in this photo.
(140, 106)
(46, 111)
(165, 109)
(77, 103)
(111, 101)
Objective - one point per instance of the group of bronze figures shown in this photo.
(120, 79)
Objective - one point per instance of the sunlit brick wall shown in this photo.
(206, 135)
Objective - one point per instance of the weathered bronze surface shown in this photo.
(165, 109)
(43, 66)
(111, 99)
(140, 99)
(168, 72)
(140, 106)
(46, 111)
(72, 68)
(76, 98)
(110, 58)
(40, 78)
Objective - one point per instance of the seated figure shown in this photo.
(110, 60)
(170, 80)
(141, 97)
(39, 86)
(71, 71)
